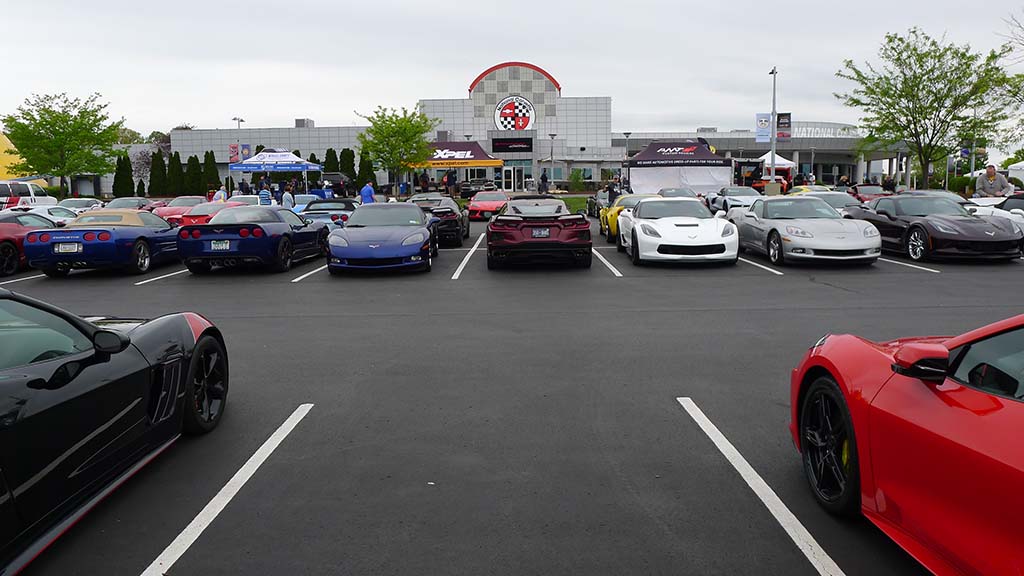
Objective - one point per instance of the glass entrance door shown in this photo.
(508, 179)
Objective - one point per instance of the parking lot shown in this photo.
(529, 420)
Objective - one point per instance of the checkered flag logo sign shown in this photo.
(514, 113)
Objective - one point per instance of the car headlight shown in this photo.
(649, 230)
(870, 232)
(416, 238)
(798, 232)
(729, 230)
(337, 240)
(943, 228)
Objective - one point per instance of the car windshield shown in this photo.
(305, 198)
(347, 205)
(78, 202)
(386, 215)
(629, 200)
(98, 219)
(930, 205)
(490, 197)
(126, 203)
(654, 210)
(251, 200)
(677, 193)
(806, 208)
(741, 191)
(838, 201)
(427, 202)
(244, 215)
(206, 209)
(540, 208)
(191, 201)
(870, 190)
(424, 195)
(947, 195)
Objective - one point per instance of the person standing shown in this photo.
(424, 182)
(453, 181)
(265, 196)
(287, 200)
(243, 187)
(366, 194)
(220, 195)
(992, 184)
(544, 180)
(613, 190)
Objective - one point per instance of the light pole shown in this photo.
(627, 135)
(238, 140)
(467, 136)
(238, 121)
(552, 176)
(775, 129)
(812, 166)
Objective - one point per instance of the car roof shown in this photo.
(797, 197)
(128, 218)
(663, 199)
(536, 201)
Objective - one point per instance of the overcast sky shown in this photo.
(667, 65)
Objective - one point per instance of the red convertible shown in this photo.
(923, 437)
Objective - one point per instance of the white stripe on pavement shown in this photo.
(762, 266)
(465, 260)
(308, 274)
(820, 559)
(608, 264)
(22, 279)
(161, 277)
(914, 266)
(207, 515)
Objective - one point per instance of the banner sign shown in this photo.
(764, 129)
(512, 145)
(233, 153)
(784, 126)
(246, 151)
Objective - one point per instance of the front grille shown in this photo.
(691, 250)
(374, 261)
(839, 253)
(983, 246)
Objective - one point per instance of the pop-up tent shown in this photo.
(1015, 170)
(678, 163)
(274, 160)
(780, 162)
(461, 155)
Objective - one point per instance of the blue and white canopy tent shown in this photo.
(275, 160)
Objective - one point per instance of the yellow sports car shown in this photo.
(809, 188)
(609, 218)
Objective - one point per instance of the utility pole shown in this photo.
(775, 129)
(627, 135)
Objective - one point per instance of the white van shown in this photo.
(23, 194)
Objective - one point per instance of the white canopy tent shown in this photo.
(1016, 170)
(780, 162)
(674, 164)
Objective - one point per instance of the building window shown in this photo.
(588, 173)
(558, 173)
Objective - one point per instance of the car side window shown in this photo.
(34, 221)
(291, 219)
(887, 205)
(37, 190)
(29, 335)
(758, 208)
(153, 221)
(1011, 203)
(994, 365)
(637, 212)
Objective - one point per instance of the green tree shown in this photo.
(128, 136)
(928, 94)
(576, 180)
(1018, 156)
(211, 177)
(194, 177)
(397, 140)
(157, 175)
(365, 174)
(140, 189)
(123, 184)
(158, 137)
(347, 163)
(331, 161)
(175, 176)
(62, 136)
(312, 158)
(259, 148)
(297, 153)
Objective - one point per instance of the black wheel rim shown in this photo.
(209, 385)
(142, 257)
(8, 260)
(286, 252)
(827, 450)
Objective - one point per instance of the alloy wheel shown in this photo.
(827, 444)
(916, 245)
(9, 260)
(209, 388)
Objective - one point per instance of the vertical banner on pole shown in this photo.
(764, 128)
(246, 152)
(785, 126)
(233, 153)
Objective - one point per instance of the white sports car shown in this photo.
(58, 214)
(676, 230)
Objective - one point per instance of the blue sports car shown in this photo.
(382, 236)
(127, 239)
(335, 211)
(251, 235)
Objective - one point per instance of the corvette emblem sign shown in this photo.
(374, 245)
(514, 113)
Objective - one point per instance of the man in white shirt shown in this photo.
(287, 200)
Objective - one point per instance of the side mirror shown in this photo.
(753, 215)
(720, 214)
(173, 224)
(434, 220)
(308, 221)
(582, 213)
(61, 224)
(972, 209)
(928, 362)
(110, 342)
(884, 213)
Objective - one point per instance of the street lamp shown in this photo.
(238, 120)
(467, 136)
(775, 129)
(627, 135)
(812, 166)
(552, 175)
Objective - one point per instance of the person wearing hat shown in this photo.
(992, 183)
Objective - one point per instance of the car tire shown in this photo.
(56, 272)
(199, 268)
(774, 249)
(460, 239)
(608, 236)
(428, 264)
(916, 244)
(618, 242)
(10, 259)
(634, 251)
(586, 261)
(824, 406)
(206, 392)
(283, 259)
(141, 258)
(324, 245)
(433, 249)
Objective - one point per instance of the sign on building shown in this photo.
(514, 113)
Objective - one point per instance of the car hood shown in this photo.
(488, 205)
(171, 211)
(123, 325)
(975, 226)
(826, 226)
(381, 234)
(685, 227)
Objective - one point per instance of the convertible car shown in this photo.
(251, 236)
(538, 227)
(867, 192)
(921, 436)
(676, 230)
(483, 205)
(334, 210)
(86, 403)
(608, 218)
(384, 236)
(597, 202)
(925, 227)
(788, 228)
(177, 207)
(134, 203)
(453, 222)
(127, 239)
(79, 205)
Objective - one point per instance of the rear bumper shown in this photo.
(538, 250)
(249, 251)
(448, 230)
(92, 256)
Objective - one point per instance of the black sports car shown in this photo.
(85, 403)
(454, 221)
(597, 202)
(923, 227)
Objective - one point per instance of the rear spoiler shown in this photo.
(524, 217)
(437, 210)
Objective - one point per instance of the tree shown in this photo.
(62, 136)
(331, 161)
(259, 148)
(128, 136)
(194, 177)
(175, 176)
(159, 138)
(397, 140)
(140, 189)
(297, 153)
(123, 184)
(365, 174)
(157, 174)
(312, 158)
(141, 161)
(211, 177)
(1018, 156)
(347, 163)
(928, 94)
(576, 180)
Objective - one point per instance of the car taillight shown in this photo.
(103, 236)
(196, 233)
(344, 217)
(183, 234)
(44, 237)
(244, 233)
(450, 216)
(257, 232)
(31, 238)
(334, 217)
(89, 236)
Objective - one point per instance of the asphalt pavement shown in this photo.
(520, 421)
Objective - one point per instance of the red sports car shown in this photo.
(201, 213)
(483, 205)
(867, 192)
(923, 437)
(538, 227)
(13, 229)
(175, 208)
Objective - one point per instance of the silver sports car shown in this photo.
(804, 228)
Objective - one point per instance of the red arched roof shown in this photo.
(511, 64)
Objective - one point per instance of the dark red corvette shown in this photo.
(12, 240)
(923, 436)
(535, 228)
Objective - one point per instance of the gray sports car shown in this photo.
(804, 228)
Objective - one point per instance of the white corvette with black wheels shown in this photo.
(677, 230)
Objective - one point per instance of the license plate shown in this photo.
(541, 232)
(68, 248)
(220, 245)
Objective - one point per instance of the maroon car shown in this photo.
(538, 228)
(13, 229)
(867, 192)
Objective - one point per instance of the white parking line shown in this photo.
(465, 260)
(821, 561)
(207, 515)
(161, 277)
(608, 264)
(914, 266)
(762, 267)
(22, 279)
(308, 274)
